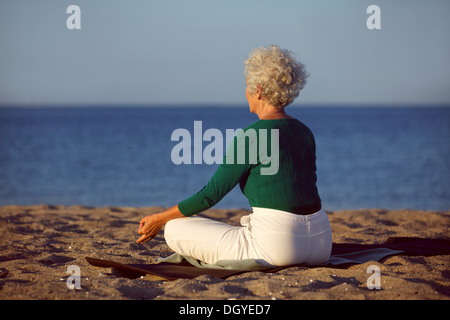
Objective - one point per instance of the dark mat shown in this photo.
(163, 271)
(343, 255)
(410, 246)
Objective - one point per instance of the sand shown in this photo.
(38, 244)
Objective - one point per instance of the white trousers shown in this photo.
(272, 237)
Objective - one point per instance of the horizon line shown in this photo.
(222, 105)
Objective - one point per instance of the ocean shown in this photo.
(368, 157)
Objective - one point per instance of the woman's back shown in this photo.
(292, 187)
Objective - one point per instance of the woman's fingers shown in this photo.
(145, 237)
(144, 225)
(141, 225)
(142, 239)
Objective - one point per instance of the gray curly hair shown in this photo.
(277, 73)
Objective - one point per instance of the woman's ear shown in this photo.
(258, 92)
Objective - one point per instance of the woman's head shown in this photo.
(278, 76)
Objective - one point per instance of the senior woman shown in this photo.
(288, 225)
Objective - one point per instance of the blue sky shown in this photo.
(193, 52)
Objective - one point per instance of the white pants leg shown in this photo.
(272, 237)
(207, 240)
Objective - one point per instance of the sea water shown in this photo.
(383, 157)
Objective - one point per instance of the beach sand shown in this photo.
(39, 242)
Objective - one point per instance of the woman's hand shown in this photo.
(150, 226)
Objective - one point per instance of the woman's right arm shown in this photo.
(226, 177)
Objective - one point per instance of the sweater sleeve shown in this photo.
(226, 177)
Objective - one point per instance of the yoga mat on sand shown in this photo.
(343, 255)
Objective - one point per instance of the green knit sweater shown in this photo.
(290, 185)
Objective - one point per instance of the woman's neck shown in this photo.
(275, 113)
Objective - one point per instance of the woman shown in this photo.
(288, 225)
